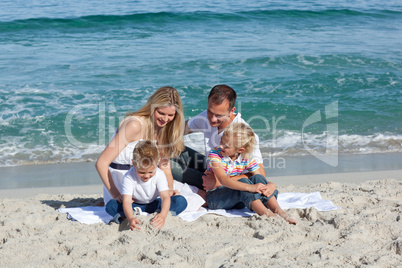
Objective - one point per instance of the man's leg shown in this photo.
(189, 167)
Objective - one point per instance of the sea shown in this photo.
(313, 78)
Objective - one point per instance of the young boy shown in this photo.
(142, 185)
(228, 162)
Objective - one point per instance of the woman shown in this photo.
(161, 120)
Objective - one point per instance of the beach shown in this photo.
(318, 81)
(366, 231)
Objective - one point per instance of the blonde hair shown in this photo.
(145, 154)
(242, 136)
(170, 140)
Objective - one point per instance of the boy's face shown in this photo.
(146, 172)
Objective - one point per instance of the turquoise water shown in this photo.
(69, 71)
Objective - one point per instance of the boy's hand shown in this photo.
(133, 224)
(158, 221)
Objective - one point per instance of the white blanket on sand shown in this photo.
(90, 215)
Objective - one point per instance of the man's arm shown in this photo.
(261, 169)
(187, 130)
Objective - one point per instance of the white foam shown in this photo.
(295, 143)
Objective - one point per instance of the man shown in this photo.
(190, 166)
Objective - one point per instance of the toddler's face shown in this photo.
(227, 147)
(146, 173)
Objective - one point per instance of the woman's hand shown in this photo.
(119, 198)
(174, 192)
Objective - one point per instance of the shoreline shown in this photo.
(84, 173)
(280, 181)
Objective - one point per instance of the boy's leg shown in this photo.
(177, 204)
(116, 210)
(113, 207)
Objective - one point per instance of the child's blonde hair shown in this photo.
(242, 136)
(145, 154)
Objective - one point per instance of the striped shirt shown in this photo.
(232, 167)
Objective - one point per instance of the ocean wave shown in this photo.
(156, 18)
(295, 143)
(19, 152)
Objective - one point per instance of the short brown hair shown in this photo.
(145, 154)
(220, 93)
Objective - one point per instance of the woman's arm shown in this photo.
(127, 133)
(262, 170)
(164, 165)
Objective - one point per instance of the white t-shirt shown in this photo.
(144, 192)
(212, 137)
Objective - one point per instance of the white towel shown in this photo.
(90, 215)
(303, 200)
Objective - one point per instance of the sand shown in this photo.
(367, 231)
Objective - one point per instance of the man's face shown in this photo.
(218, 114)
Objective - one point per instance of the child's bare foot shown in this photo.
(269, 213)
(99, 203)
(287, 218)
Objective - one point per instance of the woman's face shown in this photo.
(164, 115)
